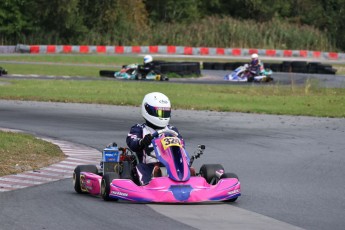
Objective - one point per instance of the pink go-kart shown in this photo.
(118, 179)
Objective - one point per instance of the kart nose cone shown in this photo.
(181, 192)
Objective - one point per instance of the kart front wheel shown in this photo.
(230, 175)
(208, 171)
(105, 185)
(76, 175)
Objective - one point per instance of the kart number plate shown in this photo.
(170, 141)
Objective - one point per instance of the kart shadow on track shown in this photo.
(117, 178)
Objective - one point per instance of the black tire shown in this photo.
(105, 185)
(286, 66)
(275, 67)
(250, 78)
(326, 69)
(330, 70)
(164, 78)
(229, 66)
(2, 71)
(313, 67)
(106, 73)
(76, 175)
(267, 79)
(208, 65)
(139, 76)
(219, 66)
(230, 175)
(299, 67)
(208, 171)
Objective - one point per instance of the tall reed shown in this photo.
(208, 32)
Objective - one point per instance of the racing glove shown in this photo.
(146, 141)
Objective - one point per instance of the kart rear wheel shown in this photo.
(138, 76)
(230, 175)
(208, 171)
(269, 78)
(105, 185)
(76, 175)
(250, 79)
(164, 78)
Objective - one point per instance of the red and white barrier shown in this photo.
(177, 50)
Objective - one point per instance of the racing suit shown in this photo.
(146, 161)
(256, 69)
(147, 68)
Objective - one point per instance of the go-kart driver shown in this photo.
(156, 110)
(256, 66)
(147, 67)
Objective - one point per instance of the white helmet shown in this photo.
(255, 56)
(156, 109)
(148, 59)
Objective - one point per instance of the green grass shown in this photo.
(307, 100)
(64, 65)
(23, 152)
(340, 69)
(55, 70)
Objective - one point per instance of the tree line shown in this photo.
(284, 24)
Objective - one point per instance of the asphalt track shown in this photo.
(216, 77)
(291, 169)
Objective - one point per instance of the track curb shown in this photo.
(76, 154)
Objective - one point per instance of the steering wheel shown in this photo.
(160, 132)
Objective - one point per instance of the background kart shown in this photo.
(118, 178)
(2, 71)
(243, 74)
(132, 72)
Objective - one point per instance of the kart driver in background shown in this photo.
(156, 110)
(255, 65)
(148, 66)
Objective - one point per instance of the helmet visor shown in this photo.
(160, 112)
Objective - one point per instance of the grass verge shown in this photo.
(54, 70)
(22, 152)
(309, 100)
(74, 59)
